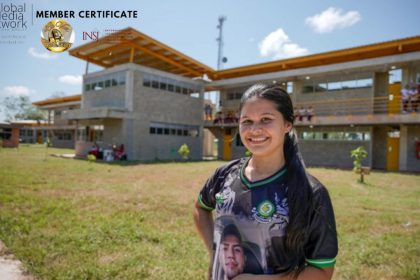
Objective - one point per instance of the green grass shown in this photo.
(72, 219)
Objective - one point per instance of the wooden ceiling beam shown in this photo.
(166, 59)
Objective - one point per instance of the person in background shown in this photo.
(405, 97)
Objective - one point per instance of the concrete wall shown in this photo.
(380, 89)
(413, 136)
(379, 146)
(155, 105)
(332, 153)
(107, 97)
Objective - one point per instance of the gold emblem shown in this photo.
(57, 36)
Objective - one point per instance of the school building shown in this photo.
(150, 98)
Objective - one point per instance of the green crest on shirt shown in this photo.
(265, 209)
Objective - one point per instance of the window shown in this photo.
(171, 88)
(146, 80)
(5, 133)
(336, 136)
(334, 85)
(163, 84)
(106, 81)
(170, 85)
(174, 129)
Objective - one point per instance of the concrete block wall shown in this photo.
(107, 97)
(413, 136)
(155, 105)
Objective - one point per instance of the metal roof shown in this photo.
(130, 45)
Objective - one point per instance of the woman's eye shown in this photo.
(265, 120)
(245, 122)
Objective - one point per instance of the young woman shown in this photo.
(284, 216)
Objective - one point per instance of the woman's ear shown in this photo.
(288, 127)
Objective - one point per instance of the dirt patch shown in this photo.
(10, 267)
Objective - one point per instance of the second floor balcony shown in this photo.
(357, 111)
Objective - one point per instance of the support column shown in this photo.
(403, 148)
(129, 90)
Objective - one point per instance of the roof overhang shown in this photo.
(131, 46)
(389, 48)
(379, 64)
(59, 101)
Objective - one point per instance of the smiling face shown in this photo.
(262, 128)
(232, 256)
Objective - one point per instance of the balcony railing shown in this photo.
(383, 109)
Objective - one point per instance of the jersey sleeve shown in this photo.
(322, 247)
(206, 198)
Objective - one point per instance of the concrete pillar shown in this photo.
(380, 91)
(129, 88)
(403, 147)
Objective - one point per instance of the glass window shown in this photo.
(166, 131)
(334, 85)
(155, 83)
(171, 87)
(348, 84)
(364, 83)
(87, 87)
(146, 80)
(107, 83)
(152, 130)
(163, 85)
(121, 79)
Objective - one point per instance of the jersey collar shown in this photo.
(262, 182)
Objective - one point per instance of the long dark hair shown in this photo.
(299, 192)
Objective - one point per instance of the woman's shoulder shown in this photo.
(318, 189)
(230, 166)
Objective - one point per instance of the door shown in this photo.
(394, 101)
(393, 153)
(227, 144)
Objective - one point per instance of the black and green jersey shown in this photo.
(260, 213)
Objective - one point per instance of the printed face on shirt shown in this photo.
(262, 128)
(231, 256)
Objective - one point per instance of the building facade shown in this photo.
(149, 97)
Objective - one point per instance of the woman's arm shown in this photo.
(309, 273)
(204, 222)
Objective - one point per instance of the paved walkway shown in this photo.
(10, 267)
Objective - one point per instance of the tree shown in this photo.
(21, 108)
(359, 154)
(184, 151)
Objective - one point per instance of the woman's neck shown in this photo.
(259, 168)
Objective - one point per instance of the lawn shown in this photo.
(73, 219)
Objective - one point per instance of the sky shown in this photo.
(254, 32)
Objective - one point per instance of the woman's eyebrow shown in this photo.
(266, 113)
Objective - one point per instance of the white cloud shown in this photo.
(71, 79)
(42, 55)
(17, 91)
(332, 18)
(278, 45)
